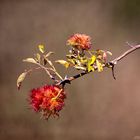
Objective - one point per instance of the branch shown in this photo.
(111, 64)
(47, 70)
(125, 54)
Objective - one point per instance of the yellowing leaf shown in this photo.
(41, 48)
(90, 63)
(20, 79)
(90, 68)
(99, 66)
(38, 57)
(63, 62)
(72, 61)
(93, 58)
(84, 61)
(30, 60)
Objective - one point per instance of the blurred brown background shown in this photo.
(97, 107)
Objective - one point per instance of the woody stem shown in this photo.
(111, 64)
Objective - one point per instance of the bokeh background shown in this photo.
(97, 106)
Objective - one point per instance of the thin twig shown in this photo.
(47, 70)
(53, 68)
(129, 45)
(125, 54)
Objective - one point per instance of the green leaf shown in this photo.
(30, 60)
(41, 48)
(99, 66)
(20, 79)
(63, 62)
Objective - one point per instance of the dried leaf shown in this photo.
(70, 56)
(38, 57)
(20, 79)
(80, 67)
(63, 62)
(30, 60)
(48, 54)
(110, 53)
(99, 66)
(41, 48)
(104, 56)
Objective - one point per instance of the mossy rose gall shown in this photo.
(48, 100)
(80, 41)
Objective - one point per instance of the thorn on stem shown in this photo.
(113, 74)
(112, 68)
